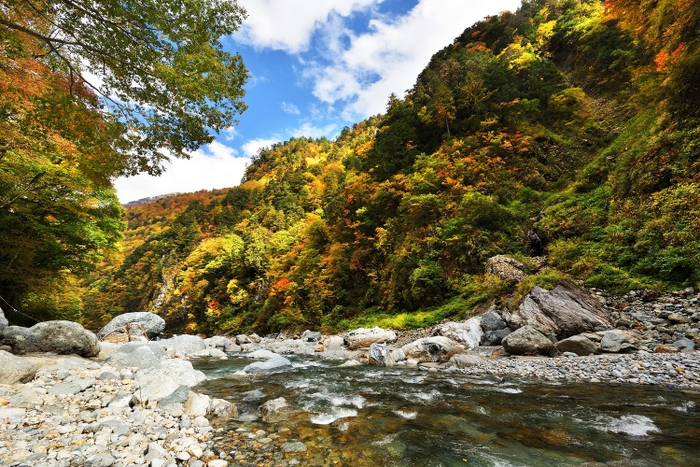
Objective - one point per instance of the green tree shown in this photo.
(89, 91)
(163, 71)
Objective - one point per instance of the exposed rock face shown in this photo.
(360, 338)
(615, 341)
(505, 267)
(15, 369)
(529, 341)
(380, 355)
(564, 311)
(61, 337)
(468, 332)
(580, 345)
(432, 349)
(151, 323)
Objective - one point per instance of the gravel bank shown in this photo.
(677, 371)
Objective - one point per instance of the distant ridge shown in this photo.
(151, 199)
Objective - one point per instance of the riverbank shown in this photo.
(80, 412)
(674, 371)
(132, 406)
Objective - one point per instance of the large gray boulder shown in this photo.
(495, 329)
(463, 361)
(137, 354)
(467, 333)
(164, 378)
(292, 347)
(432, 349)
(528, 341)
(15, 369)
(184, 345)
(491, 338)
(492, 321)
(563, 312)
(151, 323)
(616, 340)
(361, 338)
(580, 345)
(61, 337)
(505, 267)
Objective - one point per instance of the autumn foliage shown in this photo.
(567, 129)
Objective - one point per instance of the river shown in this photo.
(374, 416)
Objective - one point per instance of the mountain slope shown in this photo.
(566, 129)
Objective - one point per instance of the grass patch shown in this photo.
(427, 317)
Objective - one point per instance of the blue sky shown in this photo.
(316, 66)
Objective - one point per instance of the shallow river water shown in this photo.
(372, 416)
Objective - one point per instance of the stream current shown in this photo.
(397, 416)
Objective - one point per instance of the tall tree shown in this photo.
(90, 90)
(158, 65)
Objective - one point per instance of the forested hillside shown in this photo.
(90, 91)
(565, 134)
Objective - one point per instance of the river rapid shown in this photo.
(397, 416)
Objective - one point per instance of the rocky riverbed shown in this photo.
(132, 405)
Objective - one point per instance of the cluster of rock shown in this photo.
(133, 407)
(565, 321)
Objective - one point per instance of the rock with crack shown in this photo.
(562, 312)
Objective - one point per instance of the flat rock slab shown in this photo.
(65, 389)
(273, 365)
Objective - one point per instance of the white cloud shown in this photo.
(289, 24)
(290, 108)
(389, 57)
(252, 147)
(214, 167)
(309, 130)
